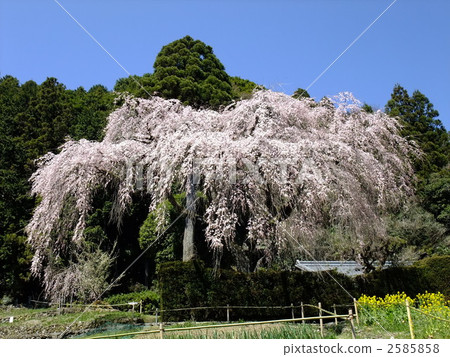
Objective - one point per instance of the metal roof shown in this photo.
(350, 268)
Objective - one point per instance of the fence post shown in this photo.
(292, 311)
(157, 310)
(228, 313)
(352, 325)
(320, 319)
(161, 331)
(303, 312)
(140, 307)
(411, 326)
(356, 311)
(334, 310)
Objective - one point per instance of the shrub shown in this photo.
(150, 300)
(436, 271)
(192, 285)
(429, 274)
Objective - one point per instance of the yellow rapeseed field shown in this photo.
(431, 303)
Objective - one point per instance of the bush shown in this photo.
(429, 274)
(190, 284)
(389, 281)
(182, 285)
(436, 271)
(150, 300)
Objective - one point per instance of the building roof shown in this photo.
(349, 268)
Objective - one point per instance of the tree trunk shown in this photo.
(188, 239)
(146, 272)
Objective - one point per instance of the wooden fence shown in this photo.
(321, 317)
(292, 308)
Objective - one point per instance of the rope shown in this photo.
(127, 268)
(84, 305)
(232, 307)
(247, 307)
(222, 326)
(427, 314)
(325, 271)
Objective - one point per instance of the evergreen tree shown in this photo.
(15, 204)
(90, 109)
(420, 123)
(301, 93)
(188, 70)
(36, 119)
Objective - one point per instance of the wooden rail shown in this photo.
(161, 330)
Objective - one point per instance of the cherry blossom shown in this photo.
(291, 166)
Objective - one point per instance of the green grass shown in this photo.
(393, 321)
(374, 323)
(49, 323)
(277, 331)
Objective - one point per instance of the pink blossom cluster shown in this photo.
(289, 165)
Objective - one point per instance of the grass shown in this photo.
(386, 316)
(50, 323)
(393, 322)
(272, 331)
(379, 318)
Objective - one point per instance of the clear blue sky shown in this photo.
(282, 44)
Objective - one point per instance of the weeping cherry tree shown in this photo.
(282, 170)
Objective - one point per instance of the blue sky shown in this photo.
(282, 44)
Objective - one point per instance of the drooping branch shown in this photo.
(288, 165)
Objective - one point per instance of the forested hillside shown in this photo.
(36, 119)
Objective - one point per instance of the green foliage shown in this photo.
(395, 320)
(15, 257)
(46, 121)
(141, 87)
(430, 274)
(301, 93)
(50, 322)
(96, 225)
(418, 117)
(436, 196)
(170, 246)
(367, 108)
(242, 88)
(269, 331)
(436, 271)
(415, 228)
(390, 281)
(90, 109)
(15, 205)
(150, 300)
(36, 119)
(93, 272)
(188, 70)
(180, 285)
(190, 284)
